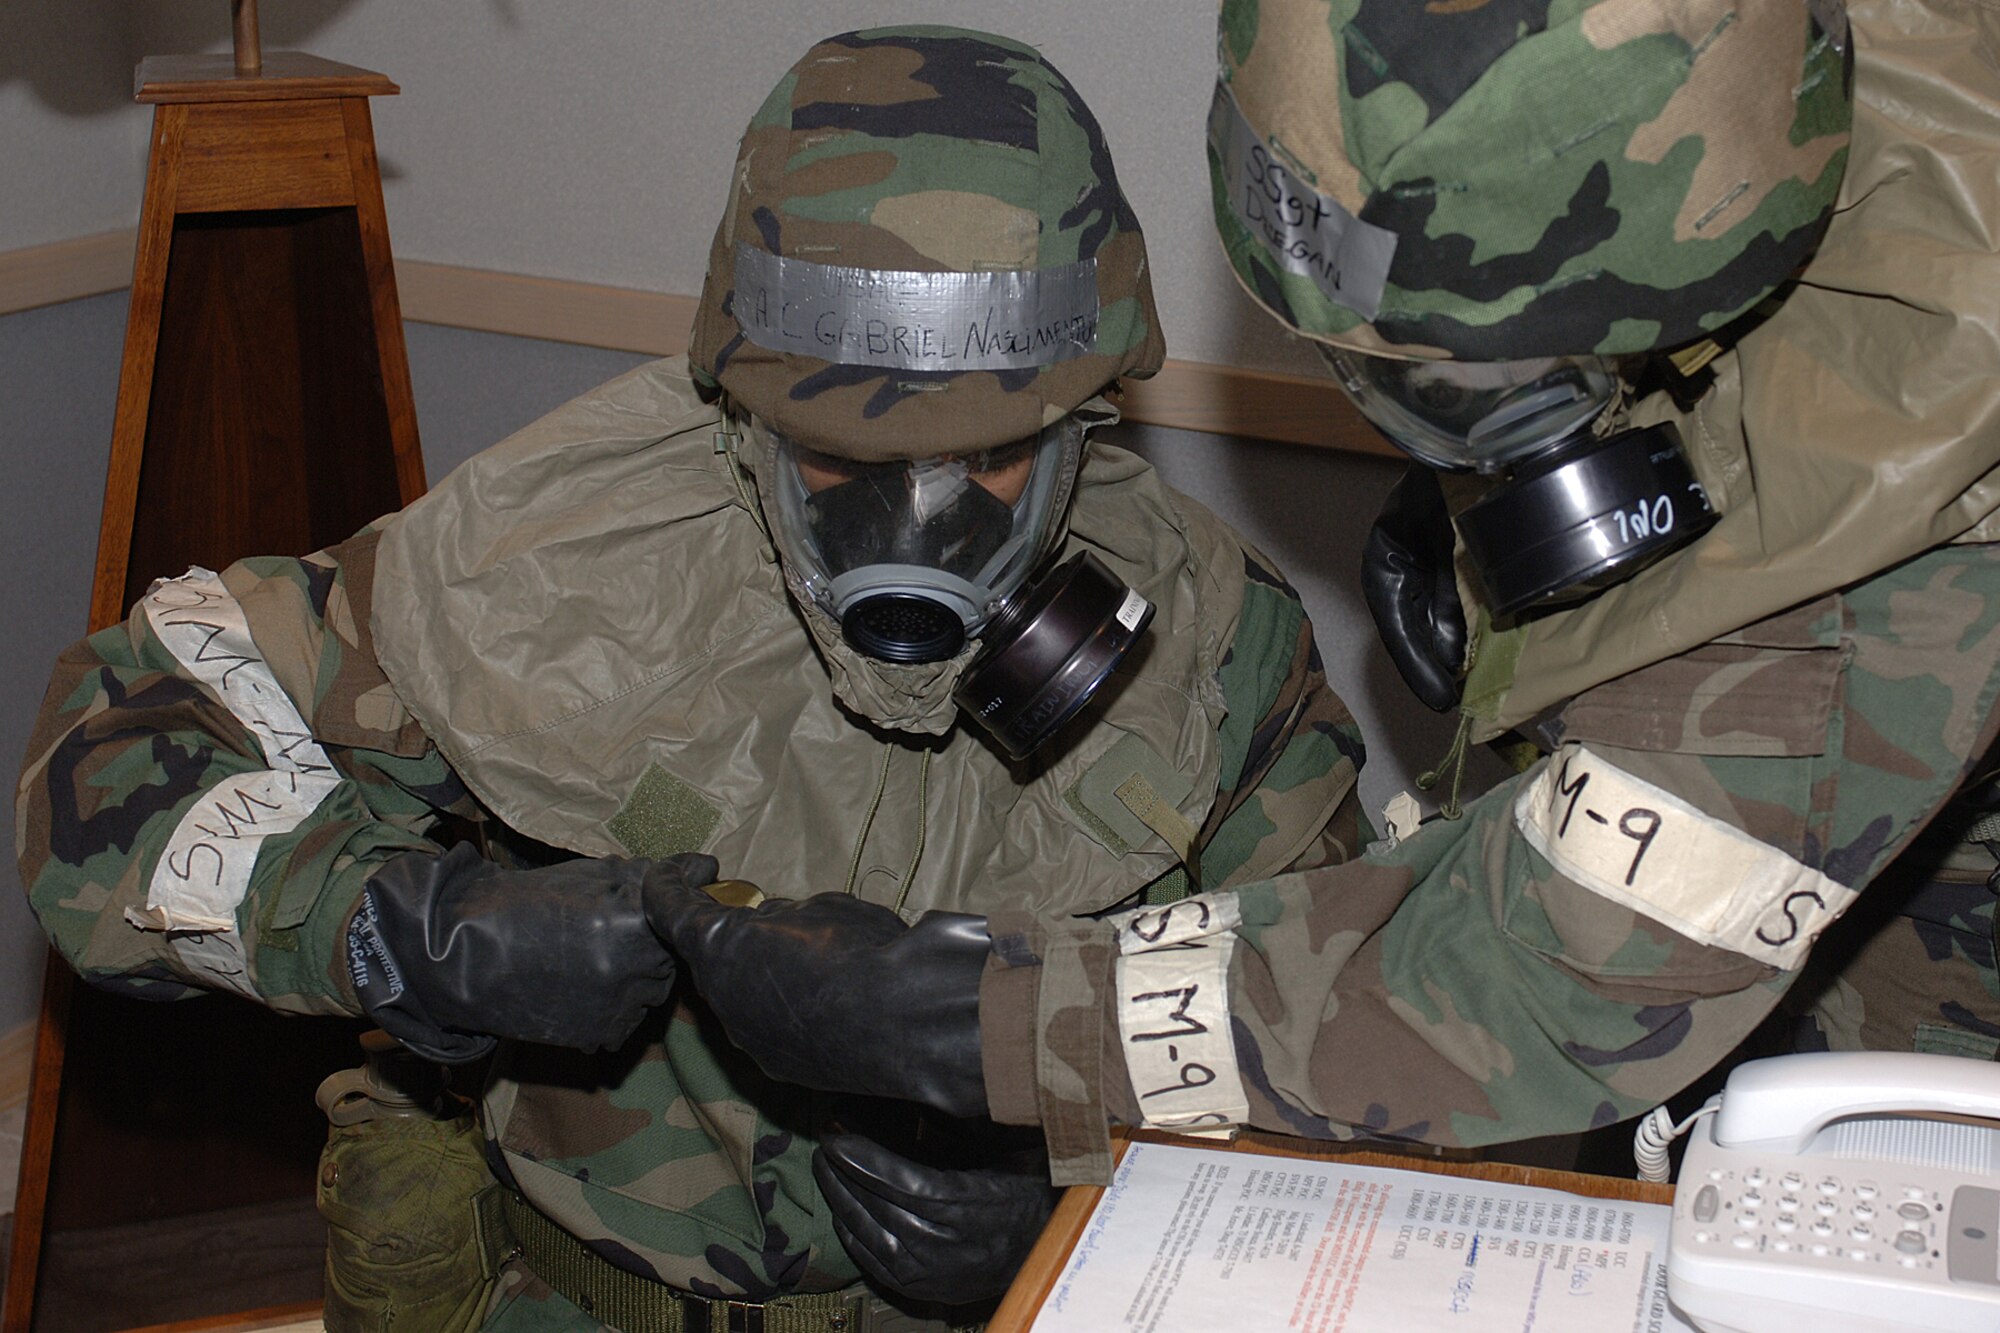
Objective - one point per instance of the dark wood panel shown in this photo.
(177, 1108)
(267, 431)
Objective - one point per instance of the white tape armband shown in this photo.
(203, 626)
(204, 873)
(1641, 846)
(1173, 1012)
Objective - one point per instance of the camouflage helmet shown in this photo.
(925, 251)
(1520, 178)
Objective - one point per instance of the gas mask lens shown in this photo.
(1475, 415)
(1570, 510)
(914, 558)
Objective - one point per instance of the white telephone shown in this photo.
(1843, 1193)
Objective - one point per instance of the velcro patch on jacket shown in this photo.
(1640, 845)
(1114, 819)
(663, 816)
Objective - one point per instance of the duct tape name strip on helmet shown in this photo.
(1306, 232)
(1005, 319)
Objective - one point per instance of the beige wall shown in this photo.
(593, 140)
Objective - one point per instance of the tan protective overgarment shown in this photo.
(1856, 428)
(493, 595)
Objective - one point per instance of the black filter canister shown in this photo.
(1046, 654)
(1582, 518)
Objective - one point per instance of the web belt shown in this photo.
(635, 1304)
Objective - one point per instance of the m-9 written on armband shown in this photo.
(1173, 1012)
(1641, 846)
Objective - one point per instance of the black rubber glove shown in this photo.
(449, 952)
(951, 1226)
(1407, 579)
(838, 994)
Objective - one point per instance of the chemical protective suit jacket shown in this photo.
(1741, 738)
(579, 640)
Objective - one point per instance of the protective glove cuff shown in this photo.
(381, 985)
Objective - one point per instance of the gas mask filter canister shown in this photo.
(1569, 513)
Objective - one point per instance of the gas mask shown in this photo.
(1570, 510)
(917, 559)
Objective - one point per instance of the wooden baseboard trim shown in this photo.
(66, 270)
(1187, 395)
(17, 1062)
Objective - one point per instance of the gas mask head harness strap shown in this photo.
(914, 557)
(1572, 506)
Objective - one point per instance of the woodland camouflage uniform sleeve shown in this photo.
(1462, 988)
(210, 784)
(1290, 749)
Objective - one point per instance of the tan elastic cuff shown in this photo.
(1071, 966)
(1007, 1041)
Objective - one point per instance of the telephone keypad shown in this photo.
(1841, 1217)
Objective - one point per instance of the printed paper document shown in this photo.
(1191, 1240)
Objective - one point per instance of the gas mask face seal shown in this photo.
(1570, 511)
(914, 558)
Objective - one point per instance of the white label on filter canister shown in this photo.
(1131, 610)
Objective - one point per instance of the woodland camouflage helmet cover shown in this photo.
(885, 157)
(1513, 178)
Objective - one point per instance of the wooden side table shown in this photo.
(264, 407)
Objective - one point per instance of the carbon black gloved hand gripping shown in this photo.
(449, 952)
(838, 994)
(945, 1211)
(1408, 581)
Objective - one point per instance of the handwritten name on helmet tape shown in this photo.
(1173, 1012)
(1305, 232)
(1640, 845)
(1004, 319)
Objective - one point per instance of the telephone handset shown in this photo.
(1843, 1193)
